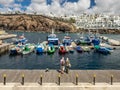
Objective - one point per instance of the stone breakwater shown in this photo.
(34, 23)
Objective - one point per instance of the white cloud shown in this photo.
(77, 7)
(106, 6)
(9, 6)
(67, 8)
(38, 1)
(4, 2)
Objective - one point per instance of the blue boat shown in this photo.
(39, 49)
(21, 39)
(16, 50)
(83, 41)
(13, 51)
(53, 39)
(79, 49)
(104, 50)
(67, 41)
(96, 41)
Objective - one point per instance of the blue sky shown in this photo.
(61, 7)
(25, 3)
(28, 2)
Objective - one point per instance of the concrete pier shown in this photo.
(51, 76)
(6, 36)
(64, 86)
(67, 81)
(4, 47)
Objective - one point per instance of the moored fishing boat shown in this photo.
(79, 49)
(85, 48)
(51, 49)
(53, 39)
(28, 48)
(83, 41)
(103, 50)
(21, 40)
(113, 42)
(106, 45)
(71, 50)
(62, 49)
(67, 40)
(39, 49)
(15, 50)
(96, 41)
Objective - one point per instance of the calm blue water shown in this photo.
(85, 60)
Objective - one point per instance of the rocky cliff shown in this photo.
(34, 23)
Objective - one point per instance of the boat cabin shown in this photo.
(54, 41)
(67, 40)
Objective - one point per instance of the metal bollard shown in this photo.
(111, 79)
(40, 79)
(76, 79)
(59, 79)
(4, 78)
(22, 79)
(94, 76)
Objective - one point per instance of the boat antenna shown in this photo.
(23, 34)
(67, 34)
(38, 40)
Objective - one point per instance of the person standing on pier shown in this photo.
(67, 65)
(62, 65)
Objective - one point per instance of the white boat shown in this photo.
(44, 45)
(104, 38)
(85, 48)
(105, 45)
(28, 49)
(113, 42)
(71, 49)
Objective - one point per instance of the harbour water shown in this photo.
(91, 60)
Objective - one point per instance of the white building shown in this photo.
(98, 21)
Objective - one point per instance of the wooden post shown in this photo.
(94, 77)
(22, 79)
(76, 79)
(59, 79)
(111, 79)
(4, 79)
(40, 79)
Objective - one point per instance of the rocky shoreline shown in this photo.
(101, 31)
(40, 23)
(34, 23)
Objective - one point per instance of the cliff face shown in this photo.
(34, 23)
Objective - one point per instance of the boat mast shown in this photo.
(53, 31)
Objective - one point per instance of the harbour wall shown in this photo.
(4, 47)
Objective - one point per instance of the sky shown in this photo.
(61, 7)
